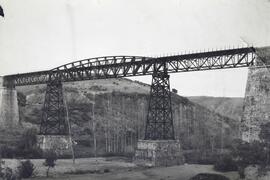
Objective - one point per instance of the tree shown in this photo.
(50, 160)
(27, 169)
(27, 146)
(265, 137)
(29, 139)
(246, 154)
(1, 168)
(1, 12)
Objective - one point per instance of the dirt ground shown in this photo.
(119, 169)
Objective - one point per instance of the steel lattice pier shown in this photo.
(54, 116)
(159, 124)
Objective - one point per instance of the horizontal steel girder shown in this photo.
(126, 66)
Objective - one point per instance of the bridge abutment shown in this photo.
(9, 110)
(256, 111)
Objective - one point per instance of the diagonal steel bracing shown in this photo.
(159, 123)
(53, 120)
(126, 66)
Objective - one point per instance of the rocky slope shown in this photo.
(120, 110)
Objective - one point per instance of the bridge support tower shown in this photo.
(54, 128)
(159, 147)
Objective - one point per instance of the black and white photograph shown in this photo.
(135, 89)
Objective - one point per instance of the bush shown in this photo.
(8, 174)
(245, 154)
(33, 153)
(26, 147)
(50, 159)
(28, 139)
(1, 168)
(250, 153)
(225, 163)
(6, 151)
(199, 157)
(27, 169)
(209, 176)
(79, 171)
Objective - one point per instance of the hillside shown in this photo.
(226, 106)
(120, 112)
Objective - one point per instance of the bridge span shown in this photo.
(126, 66)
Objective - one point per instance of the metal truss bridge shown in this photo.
(159, 123)
(126, 66)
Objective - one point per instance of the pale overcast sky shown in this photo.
(42, 34)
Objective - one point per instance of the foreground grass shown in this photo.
(117, 168)
(183, 172)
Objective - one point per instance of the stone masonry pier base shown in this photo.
(61, 144)
(158, 153)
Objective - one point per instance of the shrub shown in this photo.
(250, 153)
(33, 153)
(50, 159)
(8, 174)
(209, 176)
(199, 157)
(27, 146)
(254, 153)
(1, 168)
(225, 163)
(27, 169)
(28, 139)
(6, 151)
(79, 171)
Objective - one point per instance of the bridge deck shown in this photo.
(126, 66)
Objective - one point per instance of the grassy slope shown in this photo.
(123, 170)
(124, 103)
(226, 106)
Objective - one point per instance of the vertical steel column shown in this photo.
(53, 120)
(159, 124)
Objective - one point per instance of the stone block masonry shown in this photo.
(9, 111)
(158, 153)
(61, 144)
(256, 110)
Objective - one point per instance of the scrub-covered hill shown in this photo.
(120, 110)
(231, 107)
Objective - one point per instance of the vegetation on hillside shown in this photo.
(119, 108)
